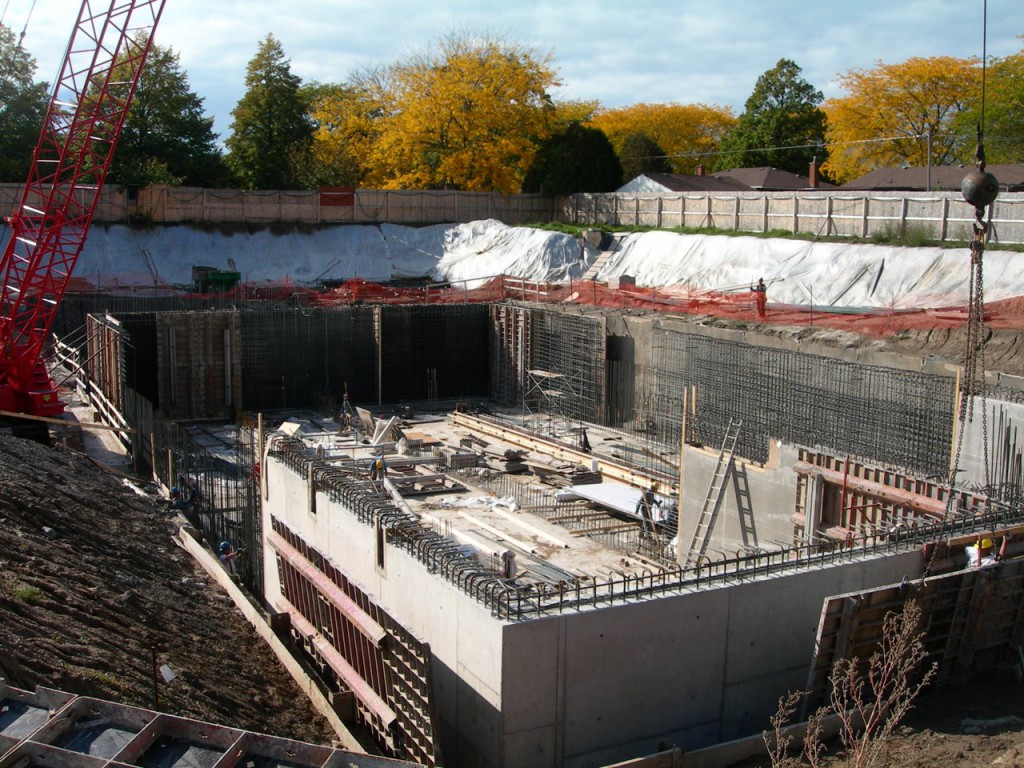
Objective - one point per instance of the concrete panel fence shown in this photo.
(937, 215)
(942, 216)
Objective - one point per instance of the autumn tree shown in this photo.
(340, 124)
(580, 159)
(781, 126)
(688, 133)
(22, 108)
(641, 154)
(468, 115)
(270, 131)
(166, 138)
(1004, 105)
(893, 110)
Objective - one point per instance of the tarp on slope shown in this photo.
(798, 272)
(802, 273)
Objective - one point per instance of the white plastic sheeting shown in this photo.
(798, 272)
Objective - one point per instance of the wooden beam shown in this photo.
(64, 422)
(916, 501)
(519, 437)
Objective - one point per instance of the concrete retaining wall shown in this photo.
(465, 641)
(693, 669)
(589, 687)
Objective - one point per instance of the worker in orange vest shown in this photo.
(761, 297)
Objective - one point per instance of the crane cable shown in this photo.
(28, 18)
(980, 189)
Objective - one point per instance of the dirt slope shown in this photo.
(90, 579)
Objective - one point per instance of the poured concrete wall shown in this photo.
(601, 686)
(594, 686)
(466, 642)
(1004, 424)
(766, 496)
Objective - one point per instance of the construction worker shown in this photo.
(508, 564)
(378, 467)
(644, 507)
(346, 415)
(227, 555)
(761, 298)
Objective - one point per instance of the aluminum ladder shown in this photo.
(716, 493)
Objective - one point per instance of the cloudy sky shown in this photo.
(619, 52)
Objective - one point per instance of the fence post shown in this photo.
(864, 218)
(903, 216)
(944, 221)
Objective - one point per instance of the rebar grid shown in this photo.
(892, 417)
(450, 561)
(565, 377)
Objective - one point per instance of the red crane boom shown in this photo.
(87, 109)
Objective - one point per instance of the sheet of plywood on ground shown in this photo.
(971, 619)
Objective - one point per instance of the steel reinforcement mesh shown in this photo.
(899, 418)
(307, 357)
(566, 372)
(434, 352)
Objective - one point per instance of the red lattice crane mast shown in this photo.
(87, 109)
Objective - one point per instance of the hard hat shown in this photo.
(224, 546)
(986, 544)
(175, 489)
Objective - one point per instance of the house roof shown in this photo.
(768, 179)
(943, 178)
(678, 182)
(735, 180)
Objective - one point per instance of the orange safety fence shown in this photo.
(737, 307)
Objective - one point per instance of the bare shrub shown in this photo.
(869, 708)
(869, 699)
(775, 742)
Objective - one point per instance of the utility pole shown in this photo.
(928, 153)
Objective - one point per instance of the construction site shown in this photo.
(497, 593)
(491, 496)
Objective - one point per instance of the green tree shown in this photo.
(781, 126)
(1004, 105)
(271, 131)
(641, 154)
(580, 159)
(22, 108)
(166, 138)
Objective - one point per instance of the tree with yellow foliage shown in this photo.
(689, 134)
(344, 119)
(469, 115)
(893, 110)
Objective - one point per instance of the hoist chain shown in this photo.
(973, 381)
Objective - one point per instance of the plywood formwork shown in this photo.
(972, 620)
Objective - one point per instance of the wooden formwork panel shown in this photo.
(347, 634)
(972, 619)
(200, 362)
